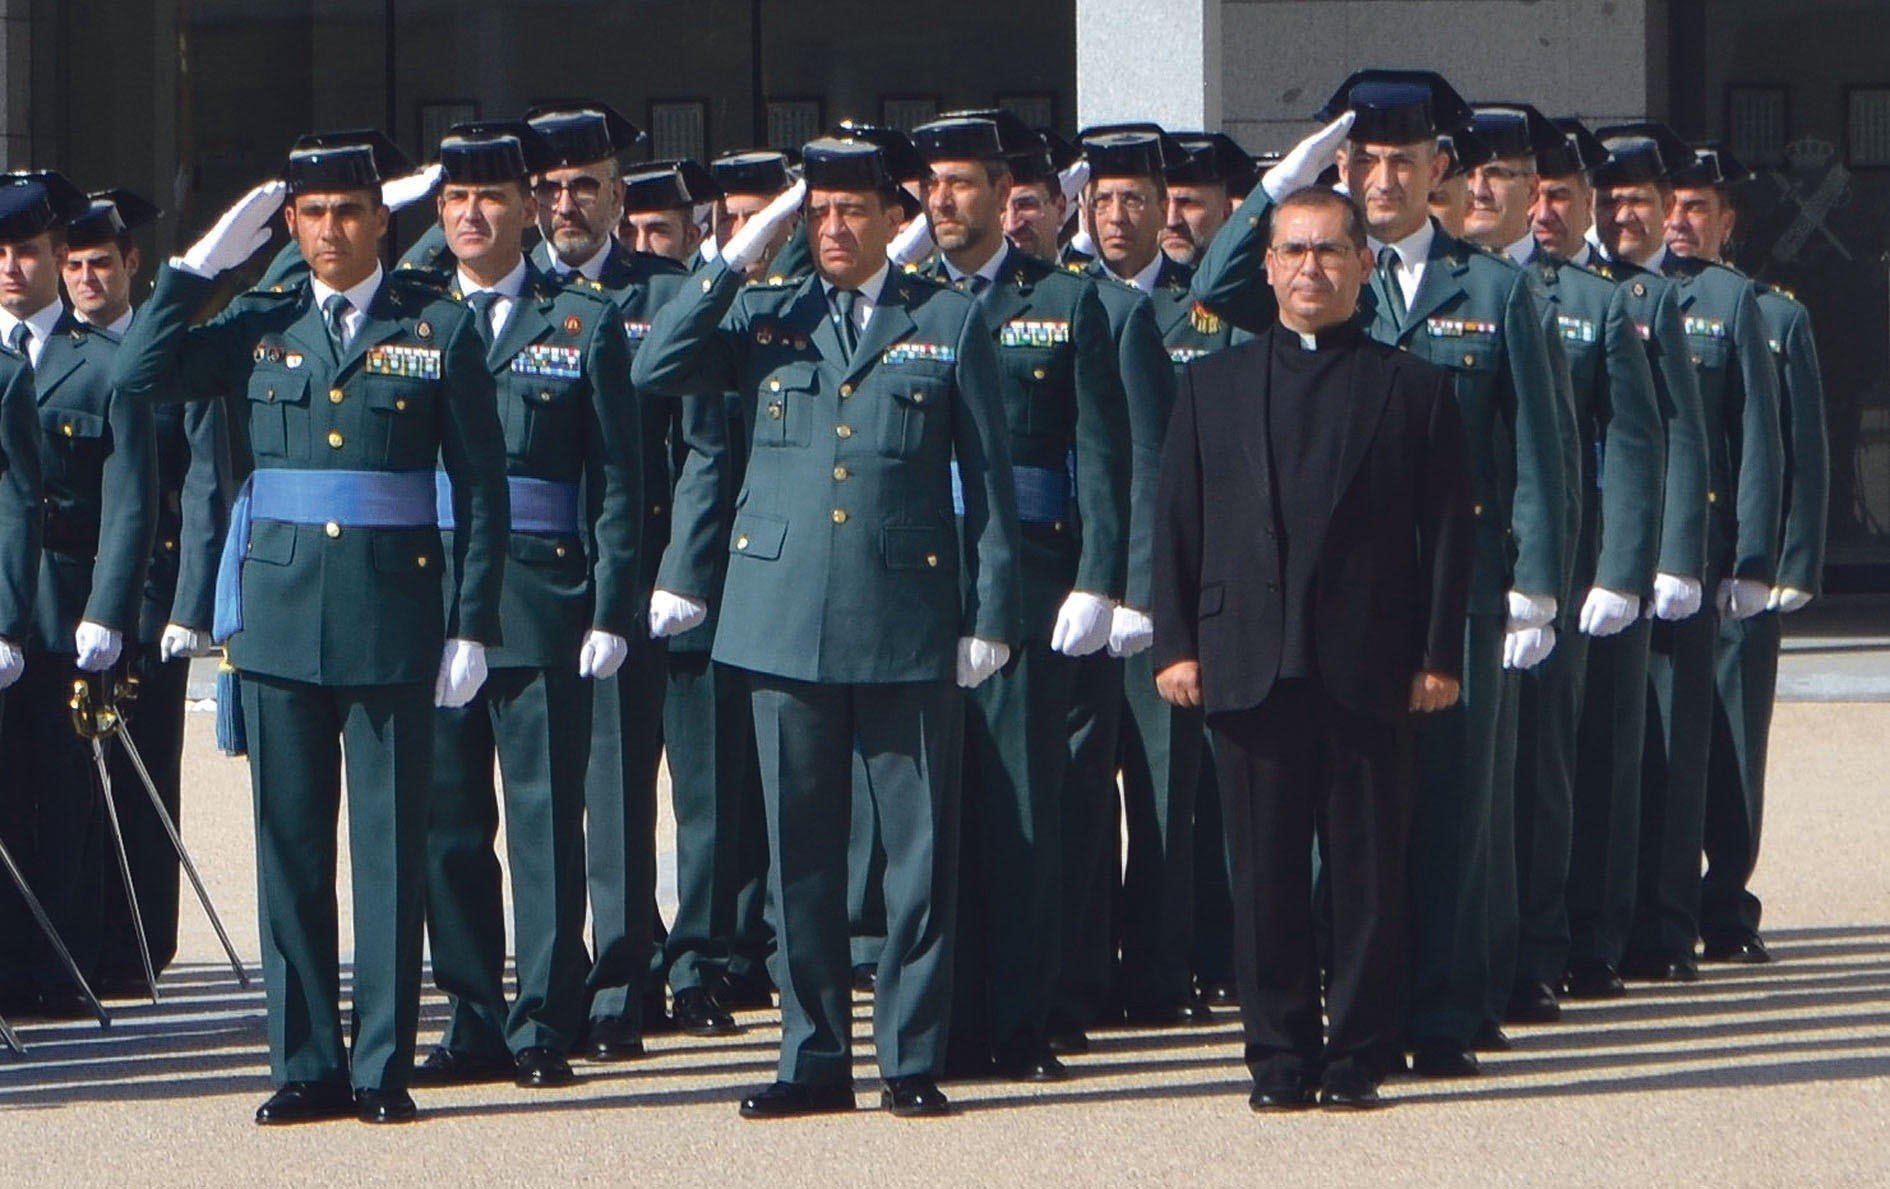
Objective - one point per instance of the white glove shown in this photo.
(751, 242)
(1308, 159)
(1605, 612)
(12, 663)
(1676, 598)
(1741, 598)
(462, 672)
(405, 191)
(602, 655)
(1072, 180)
(237, 235)
(674, 614)
(1130, 631)
(179, 641)
(1787, 599)
(913, 243)
(1525, 648)
(1082, 624)
(1530, 611)
(1083, 242)
(978, 659)
(98, 646)
(710, 251)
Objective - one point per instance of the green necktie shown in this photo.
(1388, 272)
(335, 315)
(22, 334)
(481, 304)
(844, 301)
(975, 284)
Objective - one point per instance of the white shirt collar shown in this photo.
(1657, 262)
(988, 270)
(590, 269)
(1145, 280)
(359, 298)
(509, 286)
(870, 289)
(1522, 249)
(1414, 249)
(117, 328)
(1585, 255)
(42, 322)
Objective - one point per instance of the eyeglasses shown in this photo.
(1131, 202)
(1326, 253)
(583, 190)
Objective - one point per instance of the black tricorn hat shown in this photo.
(110, 214)
(1466, 151)
(846, 163)
(752, 171)
(899, 157)
(1063, 154)
(1214, 157)
(667, 185)
(583, 131)
(1025, 149)
(357, 160)
(1581, 150)
(1713, 165)
(37, 201)
(492, 151)
(1397, 106)
(959, 138)
(1515, 130)
(1134, 150)
(1642, 152)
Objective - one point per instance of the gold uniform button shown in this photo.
(1469, 360)
(839, 515)
(844, 431)
(332, 529)
(545, 395)
(741, 542)
(335, 439)
(1253, 220)
(334, 395)
(846, 390)
(421, 561)
(170, 546)
(918, 398)
(561, 551)
(1037, 373)
(1476, 510)
(931, 559)
(840, 474)
(656, 509)
(774, 411)
(1712, 497)
(67, 429)
(270, 395)
(400, 404)
(774, 385)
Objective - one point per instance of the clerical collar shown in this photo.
(1342, 335)
(988, 270)
(1412, 249)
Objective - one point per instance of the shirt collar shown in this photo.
(511, 285)
(1582, 257)
(360, 297)
(43, 322)
(989, 270)
(1145, 280)
(1658, 261)
(1413, 249)
(868, 290)
(117, 328)
(1523, 250)
(590, 269)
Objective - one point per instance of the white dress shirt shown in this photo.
(1145, 280)
(591, 269)
(508, 289)
(1585, 255)
(41, 323)
(868, 299)
(359, 298)
(988, 270)
(1522, 249)
(1413, 250)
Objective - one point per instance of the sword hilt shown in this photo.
(94, 706)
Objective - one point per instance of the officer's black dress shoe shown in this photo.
(384, 1106)
(1348, 1090)
(1593, 980)
(540, 1068)
(1443, 1059)
(1532, 1003)
(612, 1039)
(866, 977)
(745, 992)
(1220, 995)
(1182, 1013)
(1745, 949)
(306, 1102)
(914, 1098)
(449, 1067)
(1490, 1038)
(1031, 1062)
(698, 1014)
(786, 1100)
(1273, 1098)
(1068, 1042)
(1660, 968)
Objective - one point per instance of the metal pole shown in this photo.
(124, 865)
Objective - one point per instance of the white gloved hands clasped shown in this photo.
(242, 230)
(179, 642)
(12, 663)
(401, 192)
(1606, 612)
(751, 242)
(1529, 636)
(1788, 599)
(462, 672)
(1082, 625)
(978, 658)
(97, 646)
(1303, 164)
(601, 655)
(674, 614)
(1741, 598)
(1130, 631)
(1675, 597)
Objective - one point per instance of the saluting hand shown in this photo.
(747, 245)
(1180, 684)
(1308, 159)
(237, 235)
(1431, 692)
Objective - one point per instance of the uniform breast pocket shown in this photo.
(757, 536)
(1707, 352)
(401, 419)
(917, 402)
(1478, 353)
(1040, 376)
(271, 396)
(80, 441)
(541, 419)
(784, 409)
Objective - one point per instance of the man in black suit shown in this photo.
(1312, 562)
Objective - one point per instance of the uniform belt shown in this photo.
(538, 505)
(351, 499)
(1043, 495)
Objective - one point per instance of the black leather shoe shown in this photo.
(1593, 980)
(1745, 949)
(1660, 968)
(1532, 1003)
(914, 1098)
(1288, 1096)
(1490, 1039)
(866, 977)
(306, 1102)
(1220, 995)
(540, 1068)
(1444, 1059)
(612, 1039)
(785, 1100)
(1072, 1042)
(384, 1106)
(1030, 1063)
(1190, 1012)
(448, 1067)
(1349, 1092)
(698, 1014)
(745, 992)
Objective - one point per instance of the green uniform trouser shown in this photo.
(1548, 716)
(620, 830)
(716, 793)
(1213, 958)
(52, 818)
(910, 737)
(866, 873)
(1747, 680)
(298, 737)
(1161, 748)
(156, 724)
(1091, 848)
(1673, 785)
(1010, 888)
(537, 723)
(1605, 823)
(1451, 847)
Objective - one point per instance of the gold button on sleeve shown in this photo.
(332, 529)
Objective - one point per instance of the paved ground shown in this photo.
(1756, 1076)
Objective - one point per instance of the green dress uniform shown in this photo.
(1738, 380)
(560, 363)
(1610, 738)
(1065, 410)
(100, 514)
(1621, 450)
(20, 520)
(843, 602)
(338, 568)
(1747, 664)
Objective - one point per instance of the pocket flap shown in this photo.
(758, 536)
(917, 547)
(271, 542)
(71, 423)
(1212, 595)
(267, 386)
(402, 551)
(798, 376)
(539, 550)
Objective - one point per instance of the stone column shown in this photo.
(1154, 60)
